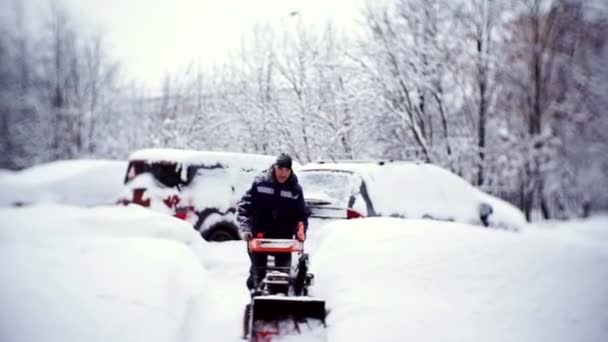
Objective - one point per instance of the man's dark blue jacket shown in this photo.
(272, 208)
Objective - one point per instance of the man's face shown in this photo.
(281, 174)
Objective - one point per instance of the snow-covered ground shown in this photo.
(103, 274)
(395, 280)
(129, 274)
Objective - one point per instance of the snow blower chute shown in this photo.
(280, 303)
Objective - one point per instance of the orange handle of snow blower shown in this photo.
(275, 246)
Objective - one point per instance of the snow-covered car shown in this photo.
(78, 182)
(202, 187)
(353, 189)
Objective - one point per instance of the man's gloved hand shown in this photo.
(247, 236)
(300, 234)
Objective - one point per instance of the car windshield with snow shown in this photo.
(353, 189)
(335, 193)
(201, 187)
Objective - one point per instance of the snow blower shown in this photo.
(280, 303)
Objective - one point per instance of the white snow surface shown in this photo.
(76, 182)
(389, 279)
(99, 274)
(130, 274)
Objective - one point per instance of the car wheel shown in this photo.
(223, 231)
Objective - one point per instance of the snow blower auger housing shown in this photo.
(280, 302)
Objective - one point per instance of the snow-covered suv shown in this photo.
(353, 189)
(202, 187)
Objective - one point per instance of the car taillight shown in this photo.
(351, 214)
(183, 212)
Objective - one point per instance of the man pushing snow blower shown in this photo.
(270, 214)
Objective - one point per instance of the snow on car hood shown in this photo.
(317, 198)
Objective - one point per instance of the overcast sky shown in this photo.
(151, 37)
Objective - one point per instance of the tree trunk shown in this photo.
(544, 206)
(481, 134)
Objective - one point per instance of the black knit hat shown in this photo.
(283, 160)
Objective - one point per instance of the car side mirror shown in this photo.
(485, 210)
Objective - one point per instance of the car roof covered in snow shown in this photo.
(195, 157)
(352, 166)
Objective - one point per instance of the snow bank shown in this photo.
(390, 279)
(59, 221)
(75, 182)
(99, 274)
(98, 290)
(591, 232)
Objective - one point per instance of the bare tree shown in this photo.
(19, 115)
(408, 58)
(257, 89)
(481, 21)
(291, 92)
(548, 81)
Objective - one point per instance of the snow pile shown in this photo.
(100, 274)
(75, 182)
(388, 279)
(592, 232)
(58, 221)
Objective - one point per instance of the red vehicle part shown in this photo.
(138, 195)
(351, 214)
(184, 212)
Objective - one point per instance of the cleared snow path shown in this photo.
(227, 265)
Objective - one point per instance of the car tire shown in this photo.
(221, 231)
